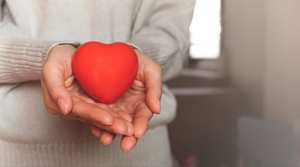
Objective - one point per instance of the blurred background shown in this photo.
(239, 92)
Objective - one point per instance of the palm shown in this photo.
(132, 98)
(84, 104)
(78, 93)
(125, 107)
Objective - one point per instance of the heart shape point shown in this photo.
(105, 71)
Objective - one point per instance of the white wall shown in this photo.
(282, 61)
(262, 49)
(244, 47)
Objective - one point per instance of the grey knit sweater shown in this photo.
(29, 135)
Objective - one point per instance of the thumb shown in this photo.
(55, 83)
(153, 84)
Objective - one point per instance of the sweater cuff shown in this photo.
(133, 46)
(23, 60)
(75, 44)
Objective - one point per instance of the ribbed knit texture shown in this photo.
(23, 60)
(90, 153)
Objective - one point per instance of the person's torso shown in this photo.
(101, 20)
(23, 114)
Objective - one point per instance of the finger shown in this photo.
(118, 127)
(141, 119)
(153, 84)
(127, 143)
(89, 111)
(112, 109)
(120, 112)
(87, 98)
(96, 131)
(54, 78)
(124, 115)
(107, 137)
(68, 117)
(130, 128)
(69, 81)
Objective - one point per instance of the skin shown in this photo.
(128, 116)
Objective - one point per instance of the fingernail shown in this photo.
(62, 106)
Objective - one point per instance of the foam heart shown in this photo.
(105, 71)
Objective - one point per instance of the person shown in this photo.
(37, 42)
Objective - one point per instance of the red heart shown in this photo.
(105, 71)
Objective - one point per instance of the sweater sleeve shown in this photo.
(163, 33)
(21, 57)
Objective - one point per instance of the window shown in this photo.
(205, 30)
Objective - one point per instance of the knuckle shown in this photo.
(74, 112)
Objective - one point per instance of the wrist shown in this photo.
(61, 53)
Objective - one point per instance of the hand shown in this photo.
(63, 95)
(140, 101)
